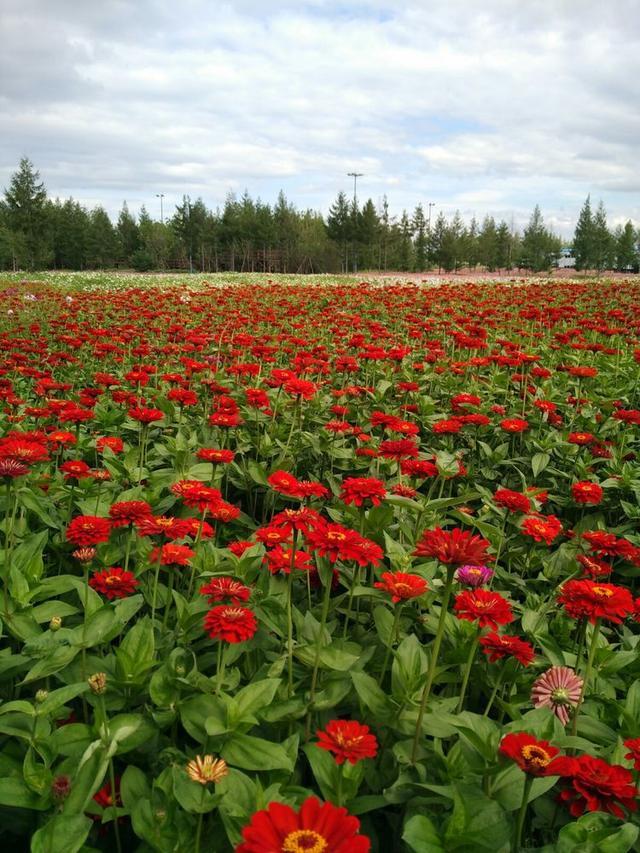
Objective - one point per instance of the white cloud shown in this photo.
(491, 107)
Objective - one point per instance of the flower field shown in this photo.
(294, 567)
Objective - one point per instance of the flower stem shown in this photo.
(592, 653)
(517, 839)
(316, 664)
(494, 692)
(433, 663)
(392, 638)
(467, 670)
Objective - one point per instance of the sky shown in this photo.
(487, 107)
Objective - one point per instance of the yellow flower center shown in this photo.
(335, 535)
(304, 841)
(602, 592)
(535, 755)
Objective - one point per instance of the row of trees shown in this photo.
(247, 235)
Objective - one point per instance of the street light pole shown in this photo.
(431, 204)
(355, 176)
(161, 196)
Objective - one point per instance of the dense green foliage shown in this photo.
(250, 236)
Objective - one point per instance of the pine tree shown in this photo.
(583, 237)
(539, 245)
(339, 226)
(626, 250)
(504, 247)
(420, 244)
(128, 234)
(25, 200)
(488, 244)
(603, 245)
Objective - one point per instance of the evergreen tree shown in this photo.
(603, 244)
(102, 240)
(505, 249)
(25, 200)
(437, 242)
(339, 226)
(583, 237)
(368, 226)
(626, 249)
(128, 235)
(420, 242)
(539, 245)
(488, 244)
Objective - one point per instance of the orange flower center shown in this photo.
(233, 613)
(335, 535)
(535, 755)
(602, 592)
(111, 579)
(304, 841)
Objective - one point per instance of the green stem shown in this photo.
(156, 579)
(339, 787)
(221, 666)
(167, 607)
(199, 830)
(592, 653)
(517, 838)
(433, 663)
(467, 670)
(494, 692)
(392, 637)
(319, 644)
(290, 630)
(354, 582)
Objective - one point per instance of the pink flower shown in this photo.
(559, 689)
(474, 576)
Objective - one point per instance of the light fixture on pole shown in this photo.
(161, 196)
(355, 176)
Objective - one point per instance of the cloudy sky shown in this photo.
(489, 106)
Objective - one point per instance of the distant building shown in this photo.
(565, 259)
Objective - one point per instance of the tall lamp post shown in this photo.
(431, 204)
(161, 196)
(355, 176)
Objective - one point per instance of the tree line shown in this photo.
(247, 235)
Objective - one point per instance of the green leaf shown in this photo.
(133, 786)
(88, 778)
(254, 753)
(539, 462)
(129, 731)
(62, 834)
(57, 698)
(15, 793)
(192, 796)
(420, 835)
(254, 696)
(372, 696)
(54, 662)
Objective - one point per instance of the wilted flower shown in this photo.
(98, 683)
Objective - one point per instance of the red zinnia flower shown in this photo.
(172, 555)
(593, 567)
(542, 528)
(403, 448)
(633, 745)
(530, 754)
(114, 582)
(586, 599)
(75, 469)
(231, 623)
(279, 560)
(595, 785)
(581, 438)
(587, 492)
(484, 606)
(348, 740)
(315, 828)
(128, 512)
(402, 586)
(112, 442)
(216, 455)
(453, 547)
(513, 501)
(498, 646)
(514, 425)
(144, 415)
(357, 490)
(88, 530)
(341, 543)
(225, 588)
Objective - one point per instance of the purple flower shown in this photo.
(474, 576)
